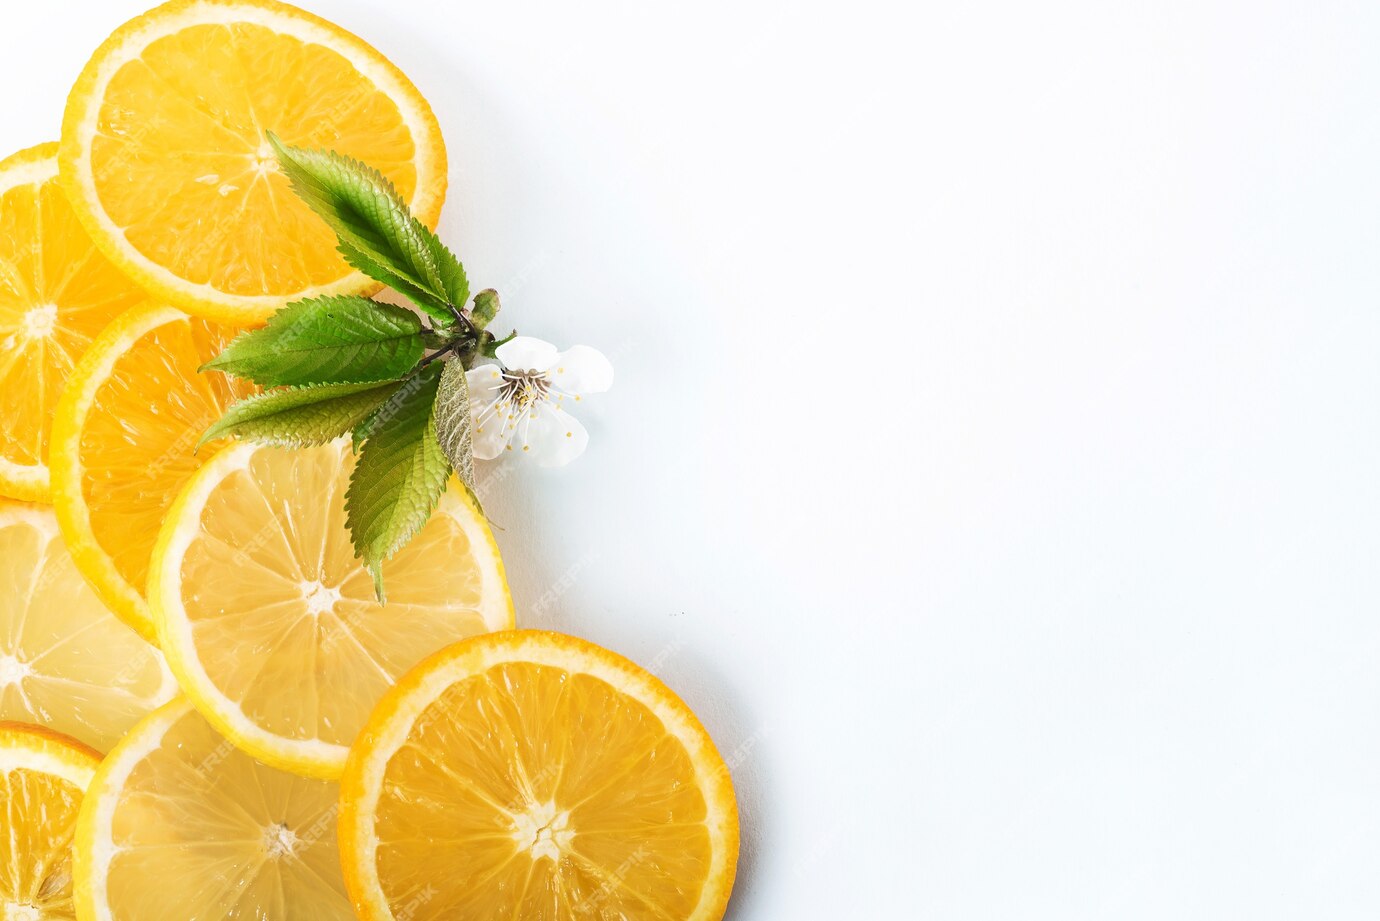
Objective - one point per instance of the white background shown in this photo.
(992, 459)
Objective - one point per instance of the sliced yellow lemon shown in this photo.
(178, 823)
(66, 662)
(165, 157)
(43, 775)
(56, 293)
(270, 622)
(534, 775)
(123, 441)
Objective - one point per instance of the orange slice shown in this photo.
(269, 620)
(45, 775)
(178, 823)
(123, 442)
(164, 151)
(534, 775)
(56, 293)
(65, 661)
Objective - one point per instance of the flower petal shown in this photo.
(485, 385)
(527, 353)
(581, 369)
(491, 438)
(488, 413)
(551, 436)
(493, 430)
(484, 382)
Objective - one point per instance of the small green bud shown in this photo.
(485, 308)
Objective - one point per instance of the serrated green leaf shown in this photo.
(301, 416)
(326, 340)
(377, 417)
(369, 217)
(399, 475)
(360, 433)
(485, 308)
(454, 426)
(433, 306)
(451, 272)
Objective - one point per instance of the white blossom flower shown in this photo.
(522, 404)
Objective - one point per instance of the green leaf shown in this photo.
(300, 416)
(454, 427)
(377, 232)
(399, 476)
(485, 308)
(434, 307)
(326, 340)
(453, 280)
(380, 414)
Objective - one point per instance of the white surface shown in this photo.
(992, 459)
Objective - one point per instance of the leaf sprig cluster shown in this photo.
(390, 378)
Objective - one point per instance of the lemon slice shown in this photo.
(270, 622)
(164, 151)
(65, 661)
(178, 823)
(535, 775)
(56, 293)
(123, 442)
(45, 775)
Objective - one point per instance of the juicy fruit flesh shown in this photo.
(533, 792)
(40, 817)
(283, 615)
(56, 293)
(137, 439)
(66, 662)
(203, 831)
(182, 166)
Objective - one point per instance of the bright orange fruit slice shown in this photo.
(164, 151)
(533, 775)
(56, 293)
(123, 444)
(43, 776)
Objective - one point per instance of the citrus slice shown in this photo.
(534, 775)
(65, 661)
(270, 622)
(164, 150)
(56, 293)
(178, 823)
(43, 775)
(123, 441)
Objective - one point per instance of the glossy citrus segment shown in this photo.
(534, 775)
(43, 776)
(66, 662)
(123, 444)
(180, 824)
(56, 293)
(164, 149)
(270, 621)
